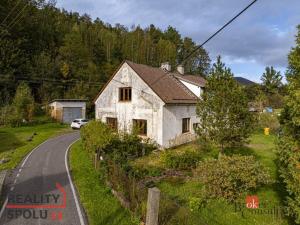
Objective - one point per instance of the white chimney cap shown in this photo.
(166, 66)
(180, 69)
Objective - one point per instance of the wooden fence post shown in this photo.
(152, 206)
(96, 160)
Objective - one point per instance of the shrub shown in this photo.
(117, 151)
(289, 169)
(149, 171)
(184, 161)
(229, 177)
(129, 146)
(96, 136)
(22, 108)
(268, 120)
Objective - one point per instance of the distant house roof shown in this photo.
(68, 100)
(244, 81)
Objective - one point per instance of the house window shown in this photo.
(112, 123)
(140, 126)
(185, 125)
(125, 94)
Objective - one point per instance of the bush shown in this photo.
(22, 107)
(289, 169)
(229, 177)
(118, 149)
(184, 161)
(150, 171)
(96, 136)
(268, 120)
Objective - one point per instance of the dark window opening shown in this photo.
(125, 94)
(140, 126)
(185, 125)
(112, 123)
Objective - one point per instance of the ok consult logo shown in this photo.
(26, 207)
(254, 207)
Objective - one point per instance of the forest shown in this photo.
(62, 54)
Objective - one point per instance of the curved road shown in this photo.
(40, 190)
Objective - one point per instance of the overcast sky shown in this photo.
(263, 36)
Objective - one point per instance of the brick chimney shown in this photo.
(166, 66)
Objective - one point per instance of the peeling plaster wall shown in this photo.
(172, 125)
(144, 104)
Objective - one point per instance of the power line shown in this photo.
(41, 80)
(10, 12)
(211, 37)
(218, 31)
(12, 23)
(16, 19)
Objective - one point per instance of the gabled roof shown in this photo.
(197, 80)
(165, 84)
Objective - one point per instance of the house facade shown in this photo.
(160, 103)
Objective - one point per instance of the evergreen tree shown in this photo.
(223, 110)
(289, 141)
(271, 80)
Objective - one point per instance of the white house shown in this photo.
(159, 102)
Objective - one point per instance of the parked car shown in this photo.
(78, 123)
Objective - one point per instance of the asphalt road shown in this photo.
(40, 190)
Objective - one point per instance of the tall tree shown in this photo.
(289, 141)
(56, 51)
(223, 110)
(198, 63)
(22, 107)
(271, 80)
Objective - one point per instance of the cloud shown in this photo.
(262, 36)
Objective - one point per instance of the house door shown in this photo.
(71, 113)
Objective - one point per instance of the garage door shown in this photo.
(71, 113)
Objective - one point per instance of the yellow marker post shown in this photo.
(267, 131)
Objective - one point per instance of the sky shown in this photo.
(262, 36)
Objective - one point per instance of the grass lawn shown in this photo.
(14, 144)
(218, 212)
(101, 206)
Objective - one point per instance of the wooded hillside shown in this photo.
(66, 55)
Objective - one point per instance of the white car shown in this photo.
(78, 123)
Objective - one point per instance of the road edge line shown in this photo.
(72, 185)
(23, 163)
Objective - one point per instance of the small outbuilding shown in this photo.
(66, 110)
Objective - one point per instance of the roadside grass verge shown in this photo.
(101, 206)
(14, 145)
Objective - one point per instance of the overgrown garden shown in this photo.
(199, 182)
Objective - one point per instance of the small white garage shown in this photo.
(66, 110)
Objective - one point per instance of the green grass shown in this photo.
(101, 206)
(264, 148)
(14, 144)
(219, 212)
